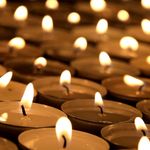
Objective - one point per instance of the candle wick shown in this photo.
(67, 89)
(140, 89)
(143, 132)
(23, 110)
(38, 69)
(11, 49)
(101, 109)
(65, 141)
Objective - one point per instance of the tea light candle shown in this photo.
(100, 32)
(21, 116)
(127, 88)
(122, 135)
(69, 51)
(102, 68)
(142, 32)
(19, 19)
(90, 116)
(50, 139)
(17, 46)
(56, 90)
(143, 106)
(6, 144)
(37, 68)
(126, 48)
(143, 64)
(45, 32)
(11, 90)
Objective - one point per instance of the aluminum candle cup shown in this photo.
(7, 145)
(13, 92)
(66, 52)
(142, 65)
(128, 94)
(114, 50)
(52, 93)
(86, 116)
(122, 135)
(98, 72)
(144, 107)
(38, 116)
(46, 139)
(25, 71)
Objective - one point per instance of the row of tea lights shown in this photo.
(110, 120)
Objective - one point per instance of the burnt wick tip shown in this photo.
(65, 141)
(101, 109)
(23, 110)
(67, 89)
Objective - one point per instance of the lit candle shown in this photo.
(102, 68)
(63, 137)
(126, 48)
(65, 88)
(123, 15)
(144, 143)
(52, 4)
(145, 4)
(73, 18)
(98, 5)
(26, 115)
(127, 88)
(91, 115)
(3, 4)
(37, 68)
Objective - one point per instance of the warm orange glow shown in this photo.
(3, 117)
(65, 77)
(98, 100)
(3, 3)
(52, 4)
(28, 96)
(47, 23)
(74, 18)
(148, 59)
(145, 24)
(21, 13)
(144, 143)
(17, 43)
(129, 42)
(5, 79)
(139, 124)
(102, 26)
(64, 128)
(98, 5)
(104, 59)
(145, 4)
(132, 81)
(123, 15)
(40, 62)
(80, 43)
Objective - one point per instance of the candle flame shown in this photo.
(145, 4)
(47, 23)
(4, 117)
(97, 5)
(40, 62)
(123, 15)
(144, 143)
(74, 17)
(139, 124)
(17, 43)
(148, 59)
(65, 77)
(52, 4)
(104, 59)
(64, 128)
(80, 43)
(145, 24)
(132, 81)
(5, 79)
(102, 26)
(3, 3)
(28, 96)
(21, 13)
(98, 100)
(129, 42)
